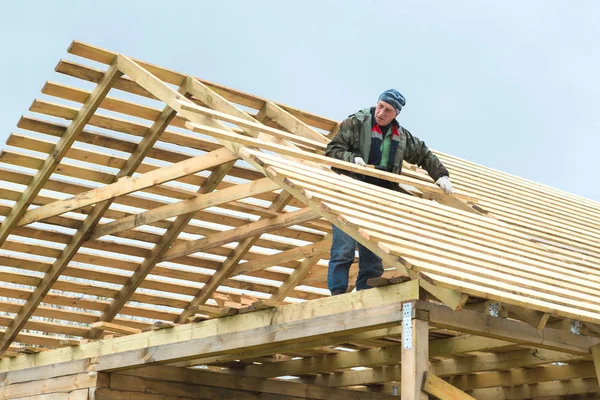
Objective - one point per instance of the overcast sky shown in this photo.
(513, 85)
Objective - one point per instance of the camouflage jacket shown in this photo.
(354, 140)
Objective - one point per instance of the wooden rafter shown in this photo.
(128, 185)
(443, 390)
(65, 142)
(244, 246)
(191, 205)
(296, 277)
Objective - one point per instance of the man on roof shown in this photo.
(373, 136)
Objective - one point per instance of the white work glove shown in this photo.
(359, 161)
(444, 184)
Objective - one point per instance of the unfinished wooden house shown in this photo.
(167, 238)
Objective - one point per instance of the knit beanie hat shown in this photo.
(394, 99)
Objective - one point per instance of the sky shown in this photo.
(512, 85)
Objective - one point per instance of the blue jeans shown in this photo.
(342, 255)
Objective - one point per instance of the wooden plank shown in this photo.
(296, 277)
(65, 142)
(128, 185)
(532, 317)
(51, 385)
(481, 226)
(116, 328)
(191, 205)
(243, 232)
(347, 190)
(252, 126)
(265, 320)
(78, 394)
(310, 250)
(292, 123)
(415, 359)
(305, 155)
(443, 390)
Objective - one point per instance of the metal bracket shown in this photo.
(407, 334)
(494, 309)
(576, 327)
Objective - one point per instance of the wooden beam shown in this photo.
(291, 123)
(506, 329)
(302, 252)
(183, 207)
(297, 276)
(596, 358)
(415, 353)
(52, 385)
(534, 318)
(465, 344)
(170, 379)
(443, 390)
(262, 337)
(320, 159)
(128, 185)
(61, 148)
(452, 298)
(45, 372)
(368, 358)
(293, 347)
(226, 111)
(322, 364)
(524, 376)
(262, 331)
(116, 328)
(243, 232)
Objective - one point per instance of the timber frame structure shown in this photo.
(170, 241)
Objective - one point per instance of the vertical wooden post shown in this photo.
(415, 352)
(596, 358)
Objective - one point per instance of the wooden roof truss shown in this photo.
(167, 200)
